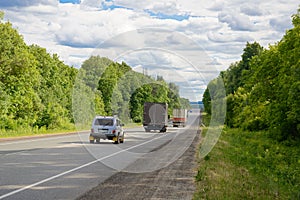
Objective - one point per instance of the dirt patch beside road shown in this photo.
(176, 181)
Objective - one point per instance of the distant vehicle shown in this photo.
(107, 128)
(155, 116)
(179, 117)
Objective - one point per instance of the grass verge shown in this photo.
(33, 132)
(249, 165)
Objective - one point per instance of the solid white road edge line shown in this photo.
(72, 170)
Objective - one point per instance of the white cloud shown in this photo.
(168, 8)
(211, 36)
(251, 10)
(173, 67)
(218, 5)
(280, 23)
(92, 4)
(221, 37)
(236, 21)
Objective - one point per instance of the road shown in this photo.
(65, 167)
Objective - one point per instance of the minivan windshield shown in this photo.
(104, 122)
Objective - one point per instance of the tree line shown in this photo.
(263, 88)
(37, 90)
(35, 86)
(119, 90)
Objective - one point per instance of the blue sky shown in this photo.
(187, 42)
(70, 1)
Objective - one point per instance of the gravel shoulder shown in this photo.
(176, 181)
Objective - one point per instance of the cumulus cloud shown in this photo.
(214, 62)
(236, 21)
(168, 8)
(91, 28)
(218, 5)
(92, 4)
(83, 38)
(172, 67)
(141, 5)
(221, 37)
(280, 23)
(208, 35)
(251, 10)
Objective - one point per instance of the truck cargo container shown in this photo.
(155, 116)
(179, 117)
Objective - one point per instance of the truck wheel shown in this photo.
(163, 130)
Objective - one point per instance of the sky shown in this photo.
(188, 42)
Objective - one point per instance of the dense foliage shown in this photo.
(35, 86)
(104, 87)
(108, 82)
(126, 91)
(263, 89)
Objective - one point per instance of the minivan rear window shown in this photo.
(104, 122)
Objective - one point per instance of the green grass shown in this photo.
(32, 132)
(249, 165)
(132, 125)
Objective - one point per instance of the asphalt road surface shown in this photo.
(66, 167)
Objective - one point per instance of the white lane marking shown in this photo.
(35, 140)
(53, 137)
(74, 169)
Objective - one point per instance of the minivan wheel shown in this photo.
(118, 139)
(122, 140)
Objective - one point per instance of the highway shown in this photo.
(65, 167)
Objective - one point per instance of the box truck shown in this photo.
(179, 117)
(155, 116)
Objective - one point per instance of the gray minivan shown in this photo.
(107, 128)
